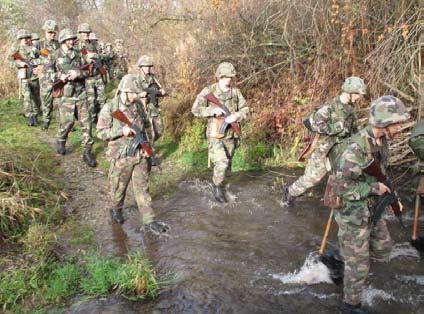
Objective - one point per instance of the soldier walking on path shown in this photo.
(120, 60)
(333, 122)
(128, 161)
(47, 46)
(362, 235)
(222, 138)
(151, 90)
(26, 58)
(67, 66)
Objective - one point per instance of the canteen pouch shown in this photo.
(214, 128)
(331, 199)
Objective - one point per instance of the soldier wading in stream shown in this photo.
(361, 236)
(221, 136)
(128, 162)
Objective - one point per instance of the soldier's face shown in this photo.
(50, 36)
(355, 97)
(392, 130)
(26, 41)
(69, 43)
(225, 81)
(131, 97)
(85, 36)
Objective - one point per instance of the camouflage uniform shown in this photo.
(73, 103)
(47, 47)
(95, 86)
(120, 60)
(221, 151)
(30, 88)
(124, 168)
(358, 235)
(153, 110)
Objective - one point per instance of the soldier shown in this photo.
(334, 121)
(120, 62)
(28, 74)
(358, 233)
(66, 63)
(94, 84)
(35, 40)
(148, 83)
(47, 46)
(126, 166)
(221, 145)
(110, 55)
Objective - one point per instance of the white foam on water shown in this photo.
(403, 249)
(419, 280)
(370, 295)
(290, 292)
(312, 272)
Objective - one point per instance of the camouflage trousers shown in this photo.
(71, 108)
(95, 94)
(221, 152)
(121, 172)
(31, 93)
(315, 170)
(157, 127)
(359, 242)
(46, 91)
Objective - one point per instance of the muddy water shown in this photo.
(250, 255)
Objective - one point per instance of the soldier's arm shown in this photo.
(200, 107)
(105, 129)
(351, 184)
(320, 120)
(54, 72)
(243, 108)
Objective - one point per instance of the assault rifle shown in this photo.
(215, 101)
(59, 84)
(311, 140)
(17, 56)
(153, 93)
(140, 138)
(97, 63)
(389, 198)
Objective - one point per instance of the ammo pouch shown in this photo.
(68, 90)
(331, 199)
(214, 128)
(416, 142)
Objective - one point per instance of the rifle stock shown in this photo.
(309, 148)
(212, 99)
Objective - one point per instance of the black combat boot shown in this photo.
(46, 125)
(219, 194)
(354, 309)
(88, 157)
(116, 215)
(60, 147)
(158, 228)
(287, 200)
(31, 121)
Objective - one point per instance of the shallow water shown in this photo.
(252, 256)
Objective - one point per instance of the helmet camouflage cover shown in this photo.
(145, 61)
(387, 110)
(354, 85)
(225, 69)
(84, 28)
(128, 84)
(66, 34)
(50, 26)
(23, 33)
(34, 36)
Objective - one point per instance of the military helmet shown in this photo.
(128, 84)
(119, 41)
(145, 61)
(84, 28)
(34, 36)
(50, 26)
(23, 33)
(354, 85)
(387, 110)
(108, 45)
(225, 69)
(65, 34)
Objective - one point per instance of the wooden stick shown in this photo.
(326, 233)
(416, 215)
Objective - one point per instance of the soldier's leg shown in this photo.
(354, 245)
(158, 127)
(46, 91)
(90, 87)
(119, 177)
(381, 242)
(87, 140)
(66, 121)
(26, 93)
(314, 172)
(35, 89)
(230, 147)
(219, 157)
(140, 182)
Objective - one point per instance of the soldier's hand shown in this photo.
(217, 112)
(143, 95)
(64, 77)
(72, 75)
(231, 118)
(382, 188)
(400, 206)
(162, 92)
(127, 131)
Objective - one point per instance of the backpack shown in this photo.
(416, 142)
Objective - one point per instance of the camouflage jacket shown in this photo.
(144, 82)
(110, 129)
(233, 100)
(93, 46)
(61, 63)
(356, 188)
(334, 121)
(30, 54)
(50, 47)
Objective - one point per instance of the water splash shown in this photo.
(312, 272)
(403, 249)
(419, 280)
(370, 294)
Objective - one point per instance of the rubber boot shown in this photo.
(46, 125)
(354, 309)
(88, 157)
(287, 200)
(60, 147)
(218, 193)
(158, 228)
(116, 215)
